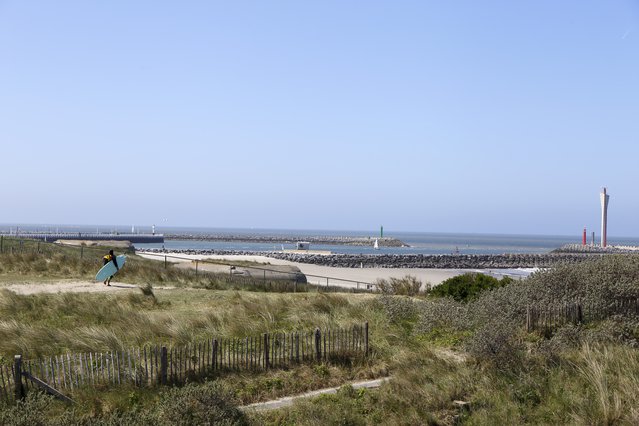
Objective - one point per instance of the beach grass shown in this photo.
(451, 362)
(48, 324)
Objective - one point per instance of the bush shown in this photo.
(495, 342)
(493, 319)
(406, 286)
(205, 404)
(33, 410)
(398, 309)
(468, 286)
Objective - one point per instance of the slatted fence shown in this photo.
(548, 318)
(161, 365)
(7, 382)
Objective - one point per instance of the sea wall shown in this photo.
(484, 261)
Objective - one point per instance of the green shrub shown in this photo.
(468, 286)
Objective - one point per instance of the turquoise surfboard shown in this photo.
(110, 269)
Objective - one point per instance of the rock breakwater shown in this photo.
(452, 261)
(291, 239)
(579, 248)
(488, 261)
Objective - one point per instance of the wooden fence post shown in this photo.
(214, 355)
(580, 315)
(81, 251)
(1, 243)
(366, 338)
(163, 366)
(318, 343)
(165, 261)
(17, 376)
(196, 263)
(528, 319)
(266, 350)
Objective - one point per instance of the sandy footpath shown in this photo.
(67, 287)
(73, 287)
(315, 273)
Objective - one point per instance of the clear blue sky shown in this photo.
(452, 116)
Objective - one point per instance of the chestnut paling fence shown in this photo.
(550, 317)
(162, 365)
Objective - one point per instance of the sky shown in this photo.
(433, 116)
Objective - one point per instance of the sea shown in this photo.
(417, 242)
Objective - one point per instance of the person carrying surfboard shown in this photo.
(110, 258)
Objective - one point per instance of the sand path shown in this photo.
(73, 287)
(290, 400)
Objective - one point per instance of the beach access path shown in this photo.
(73, 287)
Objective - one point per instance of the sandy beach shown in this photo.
(316, 274)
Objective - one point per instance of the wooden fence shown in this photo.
(161, 365)
(548, 318)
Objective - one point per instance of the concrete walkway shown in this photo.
(289, 400)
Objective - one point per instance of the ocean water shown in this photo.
(419, 242)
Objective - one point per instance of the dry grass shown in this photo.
(520, 379)
(611, 376)
(54, 323)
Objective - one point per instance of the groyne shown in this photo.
(291, 239)
(448, 261)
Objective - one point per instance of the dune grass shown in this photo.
(451, 362)
(55, 323)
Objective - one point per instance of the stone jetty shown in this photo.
(448, 261)
(487, 261)
(291, 239)
(580, 248)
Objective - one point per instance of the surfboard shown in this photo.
(109, 269)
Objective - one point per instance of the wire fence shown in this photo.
(264, 273)
(13, 245)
